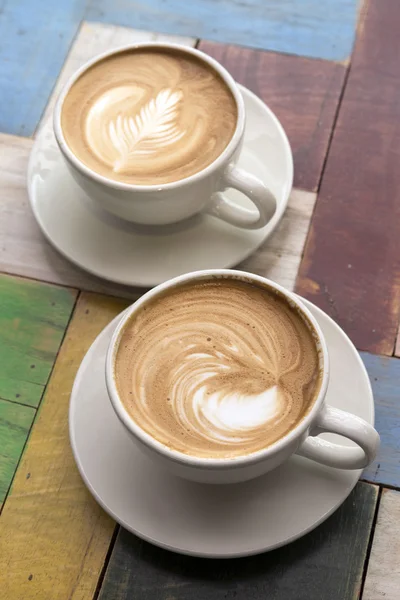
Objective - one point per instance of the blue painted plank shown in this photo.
(34, 40)
(314, 28)
(384, 374)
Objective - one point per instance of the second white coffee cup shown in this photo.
(300, 440)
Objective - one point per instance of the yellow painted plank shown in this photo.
(53, 535)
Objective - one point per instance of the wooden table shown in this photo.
(338, 245)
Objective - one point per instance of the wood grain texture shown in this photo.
(383, 575)
(351, 267)
(24, 251)
(325, 564)
(53, 535)
(35, 41)
(384, 374)
(33, 318)
(279, 257)
(303, 93)
(397, 349)
(15, 423)
(319, 29)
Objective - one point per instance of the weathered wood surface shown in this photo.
(279, 257)
(95, 38)
(397, 349)
(33, 318)
(325, 564)
(53, 535)
(351, 267)
(383, 575)
(24, 250)
(384, 374)
(36, 37)
(303, 93)
(319, 29)
(15, 423)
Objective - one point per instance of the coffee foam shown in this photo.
(217, 369)
(148, 116)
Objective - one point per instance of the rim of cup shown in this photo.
(187, 459)
(226, 153)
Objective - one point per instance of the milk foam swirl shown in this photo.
(146, 116)
(122, 136)
(217, 369)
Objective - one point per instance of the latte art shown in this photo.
(127, 136)
(148, 116)
(217, 369)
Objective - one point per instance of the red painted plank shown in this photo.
(304, 94)
(351, 266)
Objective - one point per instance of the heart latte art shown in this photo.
(217, 369)
(148, 116)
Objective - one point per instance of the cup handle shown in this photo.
(254, 189)
(334, 420)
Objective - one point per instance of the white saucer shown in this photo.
(203, 520)
(145, 256)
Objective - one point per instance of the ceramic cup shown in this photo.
(175, 201)
(300, 440)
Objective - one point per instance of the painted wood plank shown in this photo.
(383, 575)
(351, 266)
(279, 257)
(325, 564)
(24, 251)
(15, 423)
(33, 319)
(53, 535)
(317, 29)
(384, 374)
(35, 38)
(397, 349)
(303, 93)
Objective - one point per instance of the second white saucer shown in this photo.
(211, 520)
(145, 256)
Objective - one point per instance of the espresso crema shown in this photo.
(148, 116)
(217, 369)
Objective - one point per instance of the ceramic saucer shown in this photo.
(203, 520)
(145, 256)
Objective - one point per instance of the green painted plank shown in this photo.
(326, 564)
(33, 318)
(384, 373)
(23, 392)
(15, 423)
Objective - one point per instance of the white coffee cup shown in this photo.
(300, 440)
(172, 202)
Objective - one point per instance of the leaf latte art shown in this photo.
(127, 137)
(148, 116)
(219, 368)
